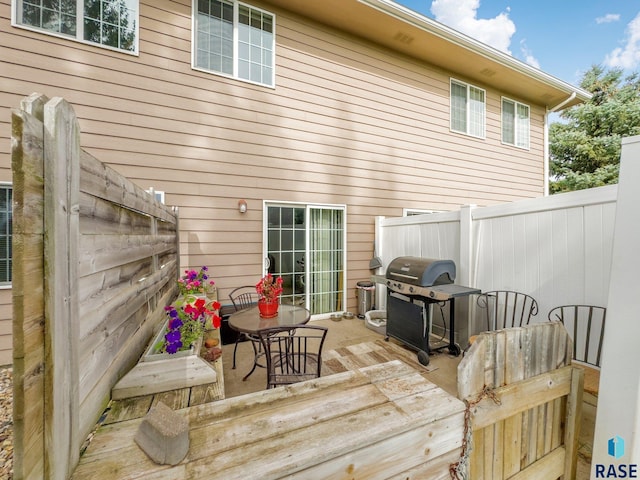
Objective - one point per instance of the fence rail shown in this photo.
(94, 262)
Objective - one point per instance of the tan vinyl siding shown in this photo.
(6, 327)
(348, 122)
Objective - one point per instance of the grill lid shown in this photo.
(423, 272)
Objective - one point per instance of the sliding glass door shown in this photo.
(305, 244)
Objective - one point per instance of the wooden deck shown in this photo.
(335, 361)
(371, 422)
(112, 444)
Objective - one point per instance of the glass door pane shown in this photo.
(326, 260)
(286, 240)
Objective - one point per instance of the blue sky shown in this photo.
(561, 37)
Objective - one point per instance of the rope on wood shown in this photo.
(460, 469)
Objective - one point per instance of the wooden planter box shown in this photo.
(163, 372)
(153, 354)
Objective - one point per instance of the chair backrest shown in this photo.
(585, 324)
(293, 353)
(507, 309)
(244, 297)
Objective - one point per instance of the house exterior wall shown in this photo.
(348, 122)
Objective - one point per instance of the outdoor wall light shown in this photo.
(242, 206)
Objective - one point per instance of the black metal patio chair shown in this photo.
(242, 298)
(507, 308)
(293, 353)
(585, 324)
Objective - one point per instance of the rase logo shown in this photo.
(615, 448)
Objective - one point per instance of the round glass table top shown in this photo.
(250, 321)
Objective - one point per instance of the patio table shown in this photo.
(250, 322)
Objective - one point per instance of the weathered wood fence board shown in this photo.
(95, 259)
(525, 403)
(61, 227)
(28, 288)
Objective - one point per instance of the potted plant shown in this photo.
(269, 288)
(196, 283)
(188, 318)
(186, 324)
(183, 330)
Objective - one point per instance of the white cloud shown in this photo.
(628, 56)
(608, 18)
(461, 15)
(527, 55)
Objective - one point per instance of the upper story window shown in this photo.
(6, 253)
(468, 107)
(108, 23)
(515, 123)
(235, 40)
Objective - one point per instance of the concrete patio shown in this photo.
(343, 333)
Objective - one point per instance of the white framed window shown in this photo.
(235, 40)
(6, 233)
(409, 212)
(306, 245)
(108, 23)
(515, 123)
(157, 194)
(467, 109)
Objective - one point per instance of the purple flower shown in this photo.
(173, 347)
(175, 323)
(192, 281)
(172, 336)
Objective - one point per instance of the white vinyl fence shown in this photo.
(556, 248)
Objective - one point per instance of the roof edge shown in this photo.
(420, 21)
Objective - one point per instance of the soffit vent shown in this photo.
(487, 72)
(403, 38)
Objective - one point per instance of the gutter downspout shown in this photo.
(546, 139)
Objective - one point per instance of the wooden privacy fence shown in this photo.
(95, 259)
(525, 403)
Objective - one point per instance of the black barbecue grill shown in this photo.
(413, 284)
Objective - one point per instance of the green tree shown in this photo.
(585, 147)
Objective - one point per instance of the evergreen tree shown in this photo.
(585, 147)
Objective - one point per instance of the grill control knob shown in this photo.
(432, 294)
(411, 289)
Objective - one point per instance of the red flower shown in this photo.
(269, 288)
